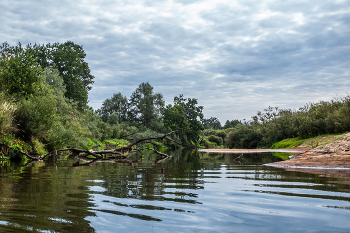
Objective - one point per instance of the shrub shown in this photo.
(218, 140)
(243, 136)
(221, 133)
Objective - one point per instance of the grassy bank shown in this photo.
(307, 143)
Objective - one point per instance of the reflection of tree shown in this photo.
(43, 198)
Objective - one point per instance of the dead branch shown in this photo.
(117, 153)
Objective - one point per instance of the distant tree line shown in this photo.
(274, 124)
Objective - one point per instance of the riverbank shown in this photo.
(335, 155)
(332, 156)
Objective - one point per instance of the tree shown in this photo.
(68, 59)
(174, 118)
(144, 106)
(24, 66)
(117, 104)
(186, 116)
(211, 123)
(231, 124)
(19, 74)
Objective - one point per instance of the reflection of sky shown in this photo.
(229, 198)
(235, 57)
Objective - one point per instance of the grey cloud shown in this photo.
(235, 59)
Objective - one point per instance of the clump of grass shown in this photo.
(310, 142)
(288, 143)
(6, 117)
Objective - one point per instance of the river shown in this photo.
(189, 192)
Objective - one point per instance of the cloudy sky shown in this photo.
(235, 56)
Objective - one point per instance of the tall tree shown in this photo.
(117, 104)
(144, 106)
(68, 59)
(231, 124)
(19, 74)
(211, 123)
(186, 116)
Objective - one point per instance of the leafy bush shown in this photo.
(209, 144)
(221, 133)
(35, 116)
(243, 136)
(218, 140)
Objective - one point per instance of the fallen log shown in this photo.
(117, 153)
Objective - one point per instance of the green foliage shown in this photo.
(218, 140)
(243, 136)
(288, 143)
(51, 77)
(20, 69)
(185, 116)
(211, 123)
(19, 74)
(7, 139)
(282, 155)
(116, 142)
(35, 116)
(7, 110)
(117, 105)
(15, 154)
(309, 142)
(231, 124)
(144, 106)
(208, 144)
(113, 119)
(221, 133)
(38, 147)
(274, 124)
(68, 59)
(174, 118)
(91, 143)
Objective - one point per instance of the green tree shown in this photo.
(144, 106)
(211, 123)
(117, 104)
(19, 74)
(186, 116)
(174, 118)
(68, 59)
(231, 124)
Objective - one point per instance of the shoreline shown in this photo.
(332, 156)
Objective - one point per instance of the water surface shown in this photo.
(189, 192)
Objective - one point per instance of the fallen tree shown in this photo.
(117, 153)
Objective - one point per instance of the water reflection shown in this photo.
(187, 192)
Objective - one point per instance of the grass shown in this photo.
(309, 142)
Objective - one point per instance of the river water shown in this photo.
(189, 192)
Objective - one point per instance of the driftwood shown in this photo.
(117, 153)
